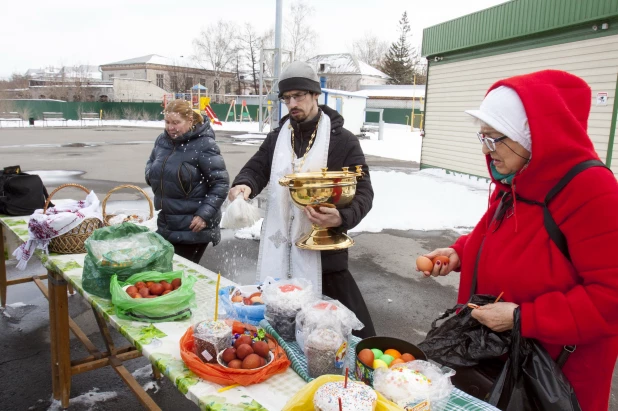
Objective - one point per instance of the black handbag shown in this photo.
(21, 193)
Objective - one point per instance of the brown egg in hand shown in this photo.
(424, 264)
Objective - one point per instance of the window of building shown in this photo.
(174, 83)
(188, 83)
(123, 75)
(203, 82)
(160, 80)
(111, 76)
(228, 87)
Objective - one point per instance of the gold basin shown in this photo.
(323, 189)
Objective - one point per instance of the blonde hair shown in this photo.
(184, 110)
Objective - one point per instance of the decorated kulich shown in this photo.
(355, 397)
(402, 382)
(335, 189)
(210, 338)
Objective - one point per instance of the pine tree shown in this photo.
(398, 63)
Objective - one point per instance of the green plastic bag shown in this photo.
(124, 250)
(174, 306)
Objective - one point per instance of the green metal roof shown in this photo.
(511, 20)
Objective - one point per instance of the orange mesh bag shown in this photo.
(228, 376)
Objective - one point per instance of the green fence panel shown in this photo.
(395, 116)
(71, 110)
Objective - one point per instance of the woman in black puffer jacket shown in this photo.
(190, 182)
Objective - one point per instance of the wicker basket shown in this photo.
(73, 241)
(106, 217)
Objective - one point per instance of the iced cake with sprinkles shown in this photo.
(401, 383)
(355, 397)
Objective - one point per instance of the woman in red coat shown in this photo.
(533, 131)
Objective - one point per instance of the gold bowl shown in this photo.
(323, 189)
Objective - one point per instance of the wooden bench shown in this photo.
(11, 116)
(83, 117)
(51, 115)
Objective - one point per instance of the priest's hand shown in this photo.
(326, 217)
(497, 316)
(236, 190)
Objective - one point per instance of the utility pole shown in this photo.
(276, 114)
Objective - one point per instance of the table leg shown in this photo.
(53, 338)
(58, 293)
(2, 270)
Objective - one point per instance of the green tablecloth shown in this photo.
(160, 342)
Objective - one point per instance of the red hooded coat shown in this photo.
(562, 303)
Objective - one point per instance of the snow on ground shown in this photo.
(399, 143)
(89, 399)
(424, 200)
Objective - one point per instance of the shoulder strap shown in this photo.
(550, 224)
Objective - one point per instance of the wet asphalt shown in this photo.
(400, 302)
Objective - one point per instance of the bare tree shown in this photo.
(215, 49)
(370, 49)
(251, 44)
(301, 37)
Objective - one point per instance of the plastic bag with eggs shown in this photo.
(415, 383)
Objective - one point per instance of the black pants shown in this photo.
(192, 252)
(340, 285)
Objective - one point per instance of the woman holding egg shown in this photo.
(533, 131)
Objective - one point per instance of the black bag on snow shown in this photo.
(21, 193)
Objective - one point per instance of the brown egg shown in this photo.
(229, 354)
(256, 300)
(156, 289)
(261, 349)
(237, 299)
(144, 291)
(138, 295)
(140, 284)
(235, 364)
(252, 361)
(255, 295)
(243, 339)
(132, 290)
(424, 264)
(176, 282)
(149, 283)
(243, 351)
(263, 361)
(397, 361)
(407, 357)
(366, 357)
(443, 259)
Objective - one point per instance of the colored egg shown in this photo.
(424, 264)
(379, 363)
(387, 359)
(366, 357)
(377, 353)
(393, 353)
(407, 357)
(397, 361)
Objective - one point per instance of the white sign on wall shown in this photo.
(602, 98)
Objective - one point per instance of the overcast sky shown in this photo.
(40, 33)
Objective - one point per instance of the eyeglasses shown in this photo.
(298, 97)
(489, 142)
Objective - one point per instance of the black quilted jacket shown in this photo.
(188, 178)
(344, 151)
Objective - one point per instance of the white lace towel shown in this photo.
(57, 221)
(285, 223)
